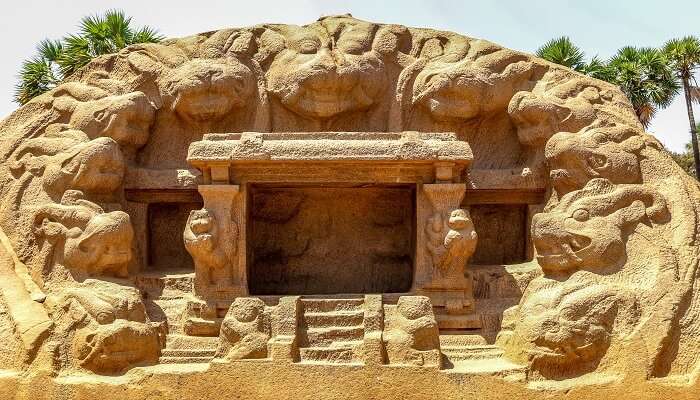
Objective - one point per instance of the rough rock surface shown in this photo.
(585, 285)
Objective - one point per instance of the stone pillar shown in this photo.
(220, 272)
(445, 242)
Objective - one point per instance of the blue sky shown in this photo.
(597, 26)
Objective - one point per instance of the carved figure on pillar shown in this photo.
(203, 242)
(449, 242)
(211, 237)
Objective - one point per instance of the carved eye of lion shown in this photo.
(581, 215)
(99, 115)
(597, 161)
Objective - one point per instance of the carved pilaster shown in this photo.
(214, 236)
(446, 241)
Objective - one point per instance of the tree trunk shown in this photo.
(693, 130)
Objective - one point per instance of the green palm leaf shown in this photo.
(563, 52)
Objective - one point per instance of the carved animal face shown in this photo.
(115, 346)
(539, 117)
(459, 219)
(247, 309)
(98, 168)
(562, 326)
(588, 228)
(320, 77)
(207, 90)
(463, 90)
(611, 153)
(103, 245)
(126, 118)
(200, 230)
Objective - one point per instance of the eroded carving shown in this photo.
(106, 327)
(411, 333)
(245, 331)
(85, 239)
(203, 242)
(588, 228)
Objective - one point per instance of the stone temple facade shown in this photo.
(347, 210)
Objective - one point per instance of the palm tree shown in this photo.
(643, 74)
(684, 55)
(563, 52)
(57, 60)
(646, 77)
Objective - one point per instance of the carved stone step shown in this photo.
(188, 353)
(462, 353)
(318, 337)
(343, 353)
(464, 339)
(184, 360)
(312, 305)
(177, 342)
(334, 318)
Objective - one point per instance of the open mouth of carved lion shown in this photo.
(563, 252)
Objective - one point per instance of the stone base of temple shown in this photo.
(255, 379)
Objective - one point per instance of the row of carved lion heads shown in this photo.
(319, 71)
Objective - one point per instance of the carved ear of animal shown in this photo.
(632, 214)
(240, 43)
(269, 43)
(79, 92)
(392, 39)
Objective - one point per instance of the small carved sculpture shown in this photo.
(588, 228)
(450, 256)
(411, 335)
(109, 327)
(245, 330)
(202, 241)
(85, 239)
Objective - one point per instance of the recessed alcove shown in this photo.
(502, 230)
(166, 222)
(331, 239)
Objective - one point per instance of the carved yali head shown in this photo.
(612, 153)
(567, 326)
(453, 87)
(87, 240)
(113, 347)
(125, 118)
(588, 228)
(538, 117)
(64, 163)
(326, 68)
(208, 89)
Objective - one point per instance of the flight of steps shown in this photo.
(332, 330)
(183, 349)
(464, 347)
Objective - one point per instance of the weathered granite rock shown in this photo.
(343, 209)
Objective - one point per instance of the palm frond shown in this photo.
(563, 52)
(146, 35)
(35, 77)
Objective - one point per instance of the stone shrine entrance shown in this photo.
(331, 239)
